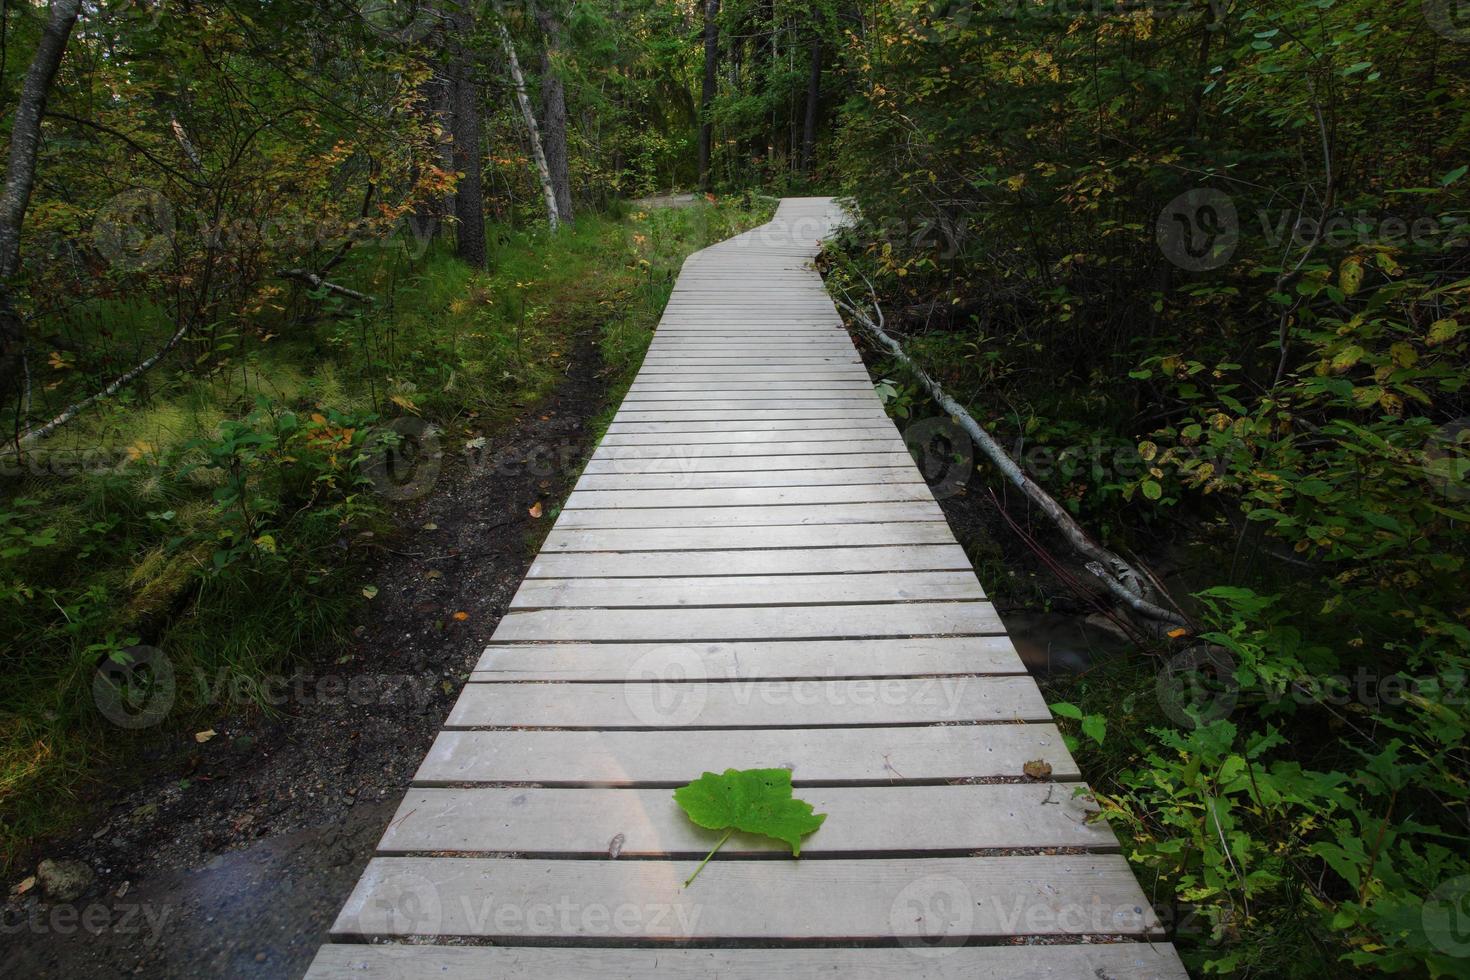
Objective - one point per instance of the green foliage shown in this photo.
(756, 801)
(1281, 409)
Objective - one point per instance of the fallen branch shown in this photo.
(317, 282)
(72, 411)
(1120, 577)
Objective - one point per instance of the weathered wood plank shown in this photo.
(755, 479)
(828, 900)
(782, 515)
(684, 463)
(735, 538)
(748, 496)
(783, 561)
(689, 704)
(756, 623)
(866, 821)
(764, 659)
(816, 756)
(1114, 961)
(745, 590)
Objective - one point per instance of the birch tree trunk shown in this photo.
(553, 217)
(20, 178)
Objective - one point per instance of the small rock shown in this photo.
(64, 881)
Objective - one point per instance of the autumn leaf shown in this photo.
(535, 510)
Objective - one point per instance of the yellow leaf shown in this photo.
(1350, 274)
(1176, 633)
(535, 510)
(204, 736)
(404, 402)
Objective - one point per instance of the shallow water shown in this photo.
(1060, 643)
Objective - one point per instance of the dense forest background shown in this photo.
(1202, 266)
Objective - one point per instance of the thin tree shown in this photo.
(554, 111)
(813, 96)
(464, 88)
(20, 179)
(707, 93)
(533, 132)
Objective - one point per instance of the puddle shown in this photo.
(1059, 643)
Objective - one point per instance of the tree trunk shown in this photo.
(533, 132)
(813, 99)
(20, 178)
(707, 93)
(554, 113)
(469, 193)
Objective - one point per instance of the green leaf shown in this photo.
(1152, 490)
(1095, 727)
(1066, 710)
(757, 801)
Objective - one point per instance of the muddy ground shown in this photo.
(232, 859)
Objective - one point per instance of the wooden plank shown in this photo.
(861, 821)
(816, 756)
(1113, 961)
(858, 422)
(691, 704)
(748, 496)
(756, 623)
(844, 476)
(745, 590)
(773, 562)
(889, 443)
(782, 515)
(684, 463)
(811, 901)
(747, 414)
(735, 538)
(934, 656)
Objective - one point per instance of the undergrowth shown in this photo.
(207, 529)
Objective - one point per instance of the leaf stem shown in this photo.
(711, 854)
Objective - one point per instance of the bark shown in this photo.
(554, 113)
(707, 92)
(75, 409)
(469, 193)
(533, 132)
(1120, 577)
(317, 282)
(20, 178)
(813, 100)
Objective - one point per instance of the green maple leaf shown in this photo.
(757, 801)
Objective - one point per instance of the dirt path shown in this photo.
(234, 859)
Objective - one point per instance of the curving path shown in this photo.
(750, 572)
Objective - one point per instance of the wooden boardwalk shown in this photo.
(751, 572)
